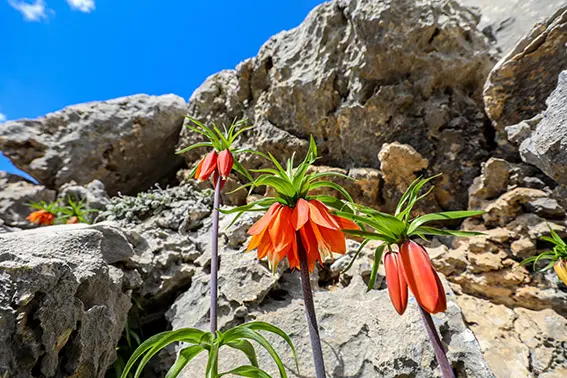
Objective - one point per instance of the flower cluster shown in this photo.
(556, 258)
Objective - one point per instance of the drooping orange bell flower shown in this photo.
(41, 217)
(396, 281)
(225, 162)
(207, 166)
(73, 220)
(422, 278)
(275, 234)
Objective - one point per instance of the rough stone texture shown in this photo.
(522, 80)
(15, 195)
(62, 306)
(517, 315)
(546, 147)
(372, 341)
(508, 20)
(360, 74)
(93, 195)
(518, 342)
(127, 143)
(168, 232)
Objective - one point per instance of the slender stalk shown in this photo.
(446, 369)
(310, 310)
(215, 256)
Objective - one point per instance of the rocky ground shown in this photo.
(390, 91)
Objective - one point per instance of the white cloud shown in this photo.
(86, 6)
(3, 118)
(35, 11)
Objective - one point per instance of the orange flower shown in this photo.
(224, 163)
(41, 217)
(396, 280)
(275, 234)
(206, 166)
(560, 268)
(422, 278)
(73, 220)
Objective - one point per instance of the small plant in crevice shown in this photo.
(63, 211)
(556, 258)
(131, 339)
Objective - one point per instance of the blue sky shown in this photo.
(62, 52)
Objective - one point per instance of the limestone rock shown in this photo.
(357, 75)
(522, 80)
(546, 147)
(371, 341)
(127, 143)
(93, 195)
(16, 193)
(508, 20)
(517, 342)
(509, 205)
(63, 307)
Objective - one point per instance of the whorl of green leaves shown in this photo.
(559, 251)
(397, 228)
(197, 341)
(290, 184)
(220, 140)
(65, 209)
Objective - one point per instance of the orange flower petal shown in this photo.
(420, 276)
(310, 244)
(346, 224)
(199, 168)
(335, 239)
(300, 214)
(263, 222)
(319, 214)
(397, 285)
(209, 166)
(281, 231)
(442, 303)
(224, 163)
(323, 245)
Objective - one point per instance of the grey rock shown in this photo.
(16, 193)
(508, 20)
(522, 80)
(369, 342)
(93, 195)
(169, 231)
(357, 75)
(62, 306)
(546, 147)
(546, 208)
(127, 143)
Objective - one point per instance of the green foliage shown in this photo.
(559, 251)
(291, 184)
(197, 341)
(220, 140)
(397, 228)
(65, 209)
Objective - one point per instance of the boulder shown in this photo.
(546, 145)
(520, 83)
(506, 21)
(16, 194)
(127, 143)
(63, 307)
(357, 75)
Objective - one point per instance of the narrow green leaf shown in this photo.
(213, 362)
(332, 185)
(185, 356)
(243, 332)
(424, 230)
(193, 146)
(371, 235)
(377, 258)
(247, 371)
(155, 340)
(442, 216)
(263, 326)
(362, 245)
(247, 348)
